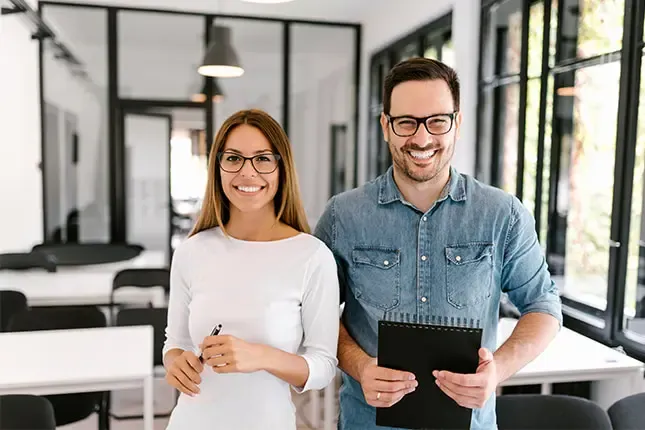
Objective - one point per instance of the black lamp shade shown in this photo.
(221, 59)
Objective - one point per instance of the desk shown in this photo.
(76, 288)
(84, 285)
(68, 368)
(572, 357)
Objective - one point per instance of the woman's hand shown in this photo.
(228, 354)
(183, 373)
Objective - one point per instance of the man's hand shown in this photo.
(384, 387)
(473, 390)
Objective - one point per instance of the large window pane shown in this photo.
(585, 121)
(591, 27)
(322, 111)
(531, 143)
(635, 288)
(259, 48)
(75, 158)
(159, 54)
(503, 32)
(536, 33)
(506, 123)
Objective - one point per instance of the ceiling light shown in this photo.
(221, 59)
(566, 91)
(200, 96)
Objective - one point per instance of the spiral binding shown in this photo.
(436, 320)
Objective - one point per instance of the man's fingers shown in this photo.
(392, 387)
(385, 374)
(385, 400)
(466, 392)
(466, 402)
(465, 380)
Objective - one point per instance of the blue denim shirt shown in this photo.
(448, 265)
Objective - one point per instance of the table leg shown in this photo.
(148, 403)
(104, 411)
(314, 408)
(329, 406)
(546, 388)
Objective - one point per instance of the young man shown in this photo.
(424, 242)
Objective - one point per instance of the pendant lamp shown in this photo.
(221, 59)
(200, 96)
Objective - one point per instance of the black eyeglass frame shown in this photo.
(424, 121)
(252, 159)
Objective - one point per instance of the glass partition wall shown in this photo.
(127, 126)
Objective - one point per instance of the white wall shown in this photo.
(20, 184)
(384, 24)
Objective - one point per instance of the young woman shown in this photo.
(251, 266)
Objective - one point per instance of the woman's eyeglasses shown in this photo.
(233, 162)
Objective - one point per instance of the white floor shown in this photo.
(130, 403)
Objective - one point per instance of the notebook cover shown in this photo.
(421, 349)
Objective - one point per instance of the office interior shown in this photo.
(106, 127)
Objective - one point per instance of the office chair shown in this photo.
(26, 412)
(76, 254)
(552, 412)
(27, 260)
(628, 413)
(68, 408)
(157, 318)
(139, 278)
(11, 303)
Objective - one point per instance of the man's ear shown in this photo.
(458, 119)
(385, 127)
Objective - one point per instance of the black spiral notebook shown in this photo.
(421, 349)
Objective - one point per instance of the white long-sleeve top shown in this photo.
(282, 293)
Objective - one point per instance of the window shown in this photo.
(562, 128)
(431, 41)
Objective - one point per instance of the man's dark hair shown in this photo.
(419, 69)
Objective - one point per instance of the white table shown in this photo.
(76, 361)
(84, 285)
(572, 357)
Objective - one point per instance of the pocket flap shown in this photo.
(464, 254)
(384, 258)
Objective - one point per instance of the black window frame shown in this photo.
(604, 326)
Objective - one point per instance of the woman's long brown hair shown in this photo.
(288, 204)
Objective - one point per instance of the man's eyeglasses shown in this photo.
(232, 162)
(406, 126)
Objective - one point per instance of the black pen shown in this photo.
(214, 332)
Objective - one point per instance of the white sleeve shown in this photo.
(177, 333)
(320, 320)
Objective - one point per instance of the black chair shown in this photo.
(68, 408)
(140, 278)
(158, 319)
(552, 412)
(27, 260)
(26, 412)
(82, 254)
(11, 303)
(628, 413)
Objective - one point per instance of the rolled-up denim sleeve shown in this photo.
(525, 275)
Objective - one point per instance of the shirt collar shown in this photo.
(389, 191)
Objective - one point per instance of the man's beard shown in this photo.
(440, 160)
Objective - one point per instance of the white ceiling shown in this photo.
(335, 10)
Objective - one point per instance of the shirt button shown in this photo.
(424, 258)
(424, 299)
(386, 263)
(425, 219)
(458, 258)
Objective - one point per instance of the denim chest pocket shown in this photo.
(375, 276)
(469, 274)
